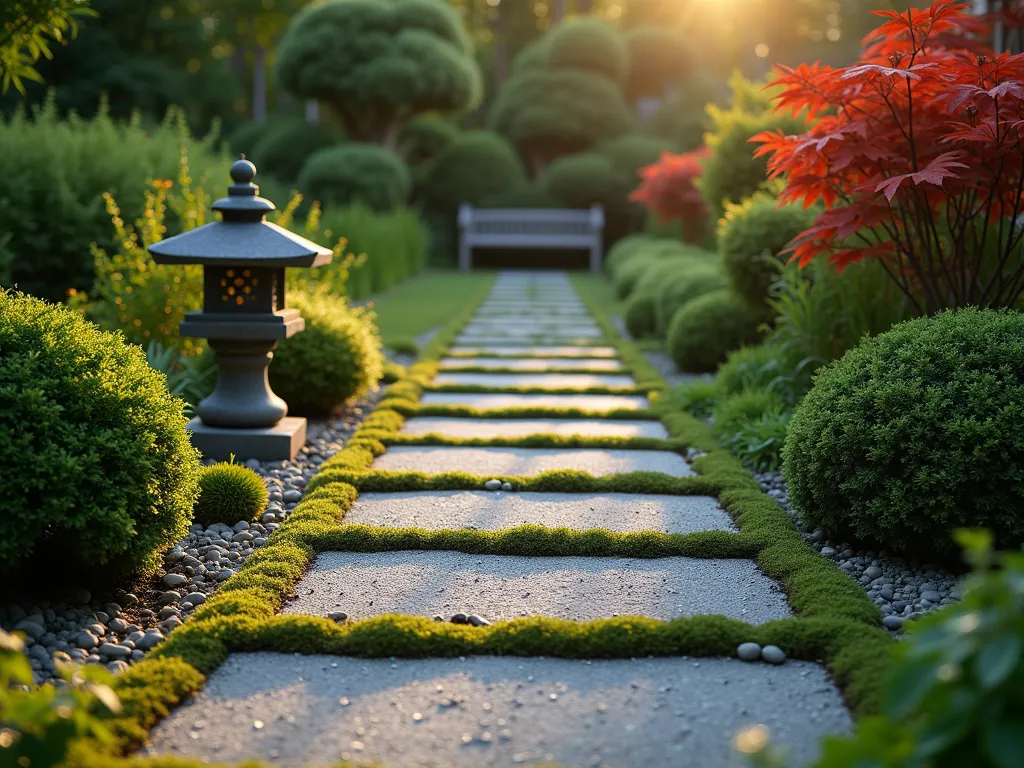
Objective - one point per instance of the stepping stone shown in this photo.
(424, 583)
(540, 351)
(534, 364)
(317, 710)
(489, 428)
(562, 324)
(541, 338)
(490, 511)
(494, 401)
(528, 461)
(546, 380)
(513, 332)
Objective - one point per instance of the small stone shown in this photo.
(117, 667)
(930, 595)
(79, 596)
(268, 517)
(30, 628)
(749, 651)
(477, 621)
(506, 486)
(292, 495)
(129, 600)
(138, 655)
(827, 552)
(149, 640)
(196, 598)
(173, 579)
(167, 611)
(773, 654)
(175, 555)
(115, 651)
(118, 625)
(171, 623)
(439, 618)
(493, 485)
(337, 616)
(241, 525)
(893, 622)
(252, 463)
(168, 597)
(242, 536)
(86, 640)
(460, 618)
(873, 572)
(225, 574)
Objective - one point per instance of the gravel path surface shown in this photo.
(544, 351)
(529, 461)
(546, 380)
(489, 428)
(500, 402)
(487, 510)
(526, 364)
(495, 586)
(492, 711)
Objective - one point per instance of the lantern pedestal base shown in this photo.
(277, 443)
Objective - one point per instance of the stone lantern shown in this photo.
(243, 317)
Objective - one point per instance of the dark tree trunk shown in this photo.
(259, 84)
(557, 11)
(500, 49)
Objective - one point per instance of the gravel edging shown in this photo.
(117, 633)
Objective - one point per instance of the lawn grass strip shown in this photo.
(836, 623)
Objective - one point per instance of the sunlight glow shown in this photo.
(761, 50)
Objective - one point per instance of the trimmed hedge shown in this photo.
(283, 150)
(335, 360)
(641, 313)
(624, 249)
(353, 173)
(95, 463)
(916, 432)
(680, 287)
(474, 166)
(630, 270)
(704, 330)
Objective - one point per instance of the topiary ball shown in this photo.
(751, 234)
(704, 330)
(354, 173)
(624, 248)
(229, 492)
(640, 312)
(629, 271)
(680, 287)
(283, 151)
(95, 463)
(916, 432)
(335, 360)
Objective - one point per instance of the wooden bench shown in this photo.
(530, 228)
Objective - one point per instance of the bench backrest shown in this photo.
(530, 228)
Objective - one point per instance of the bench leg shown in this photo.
(465, 255)
(595, 258)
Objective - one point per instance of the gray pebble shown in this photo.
(173, 579)
(827, 551)
(115, 651)
(506, 486)
(168, 597)
(460, 618)
(149, 640)
(337, 616)
(30, 628)
(749, 651)
(493, 485)
(892, 622)
(477, 621)
(86, 640)
(196, 598)
(292, 495)
(773, 654)
(118, 625)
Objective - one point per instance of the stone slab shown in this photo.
(545, 380)
(514, 332)
(528, 461)
(533, 364)
(490, 428)
(280, 442)
(546, 338)
(426, 583)
(499, 711)
(493, 401)
(493, 511)
(542, 351)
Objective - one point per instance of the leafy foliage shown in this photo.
(475, 165)
(589, 44)
(379, 63)
(914, 433)
(229, 492)
(284, 149)
(81, 405)
(40, 723)
(752, 424)
(705, 329)
(641, 313)
(27, 28)
(624, 249)
(751, 234)
(351, 173)
(669, 190)
(335, 360)
(629, 271)
(190, 378)
(916, 158)
(680, 287)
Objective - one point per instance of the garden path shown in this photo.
(512, 710)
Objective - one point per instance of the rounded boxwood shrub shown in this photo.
(229, 492)
(284, 150)
(477, 164)
(916, 432)
(335, 360)
(750, 234)
(680, 287)
(629, 271)
(350, 173)
(95, 463)
(705, 329)
(624, 249)
(640, 312)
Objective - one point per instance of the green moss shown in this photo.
(538, 441)
(487, 390)
(229, 492)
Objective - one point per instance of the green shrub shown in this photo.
(750, 236)
(425, 137)
(191, 378)
(583, 180)
(916, 432)
(522, 196)
(41, 722)
(624, 249)
(682, 118)
(476, 165)
(53, 176)
(752, 424)
(629, 271)
(95, 463)
(245, 137)
(283, 150)
(731, 412)
(641, 307)
(731, 172)
(229, 492)
(351, 173)
(589, 43)
(952, 696)
(335, 360)
(680, 287)
(697, 397)
(704, 330)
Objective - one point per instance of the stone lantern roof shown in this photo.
(242, 237)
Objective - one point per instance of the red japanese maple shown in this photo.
(917, 156)
(668, 190)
